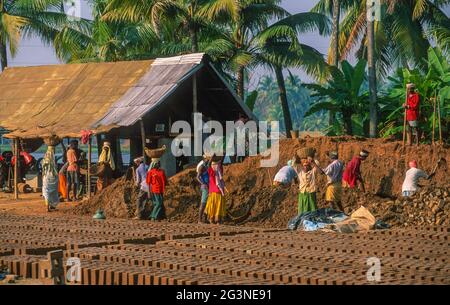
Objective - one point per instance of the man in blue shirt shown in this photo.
(141, 175)
(203, 179)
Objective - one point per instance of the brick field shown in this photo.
(140, 252)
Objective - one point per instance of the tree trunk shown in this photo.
(347, 117)
(240, 83)
(284, 100)
(194, 40)
(372, 78)
(335, 47)
(3, 56)
(335, 33)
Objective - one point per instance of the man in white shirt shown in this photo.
(412, 176)
(286, 175)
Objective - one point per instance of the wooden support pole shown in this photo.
(404, 117)
(194, 94)
(144, 142)
(16, 168)
(88, 175)
(434, 120)
(439, 119)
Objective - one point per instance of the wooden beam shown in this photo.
(88, 176)
(194, 94)
(16, 168)
(144, 142)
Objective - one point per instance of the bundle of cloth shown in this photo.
(336, 221)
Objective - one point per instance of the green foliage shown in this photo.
(268, 107)
(435, 81)
(343, 94)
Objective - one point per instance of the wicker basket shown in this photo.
(306, 152)
(155, 153)
(52, 140)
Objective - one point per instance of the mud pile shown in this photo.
(252, 200)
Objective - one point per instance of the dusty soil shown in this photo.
(252, 200)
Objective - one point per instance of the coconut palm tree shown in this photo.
(402, 37)
(243, 20)
(172, 20)
(280, 48)
(42, 18)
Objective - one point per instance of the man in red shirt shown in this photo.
(156, 180)
(412, 107)
(352, 173)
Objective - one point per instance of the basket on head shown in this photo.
(52, 140)
(304, 153)
(155, 153)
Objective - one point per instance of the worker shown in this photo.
(203, 179)
(413, 174)
(412, 107)
(107, 167)
(307, 174)
(3, 172)
(156, 181)
(286, 175)
(352, 174)
(141, 183)
(72, 171)
(215, 209)
(333, 172)
(50, 179)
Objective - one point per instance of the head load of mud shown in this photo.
(252, 200)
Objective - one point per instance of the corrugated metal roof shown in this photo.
(154, 86)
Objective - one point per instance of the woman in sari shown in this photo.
(215, 208)
(107, 166)
(50, 179)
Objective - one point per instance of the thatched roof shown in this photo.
(63, 100)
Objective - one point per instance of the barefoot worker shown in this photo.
(50, 179)
(215, 208)
(203, 179)
(413, 174)
(156, 181)
(307, 198)
(333, 172)
(286, 175)
(72, 177)
(141, 183)
(106, 167)
(352, 174)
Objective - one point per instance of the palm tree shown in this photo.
(402, 37)
(242, 20)
(42, 18)
(280, 48)
(343, 94)
(167, 17)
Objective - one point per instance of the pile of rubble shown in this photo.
(427, 207)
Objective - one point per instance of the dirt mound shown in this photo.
(252, 200)
(117, 200)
